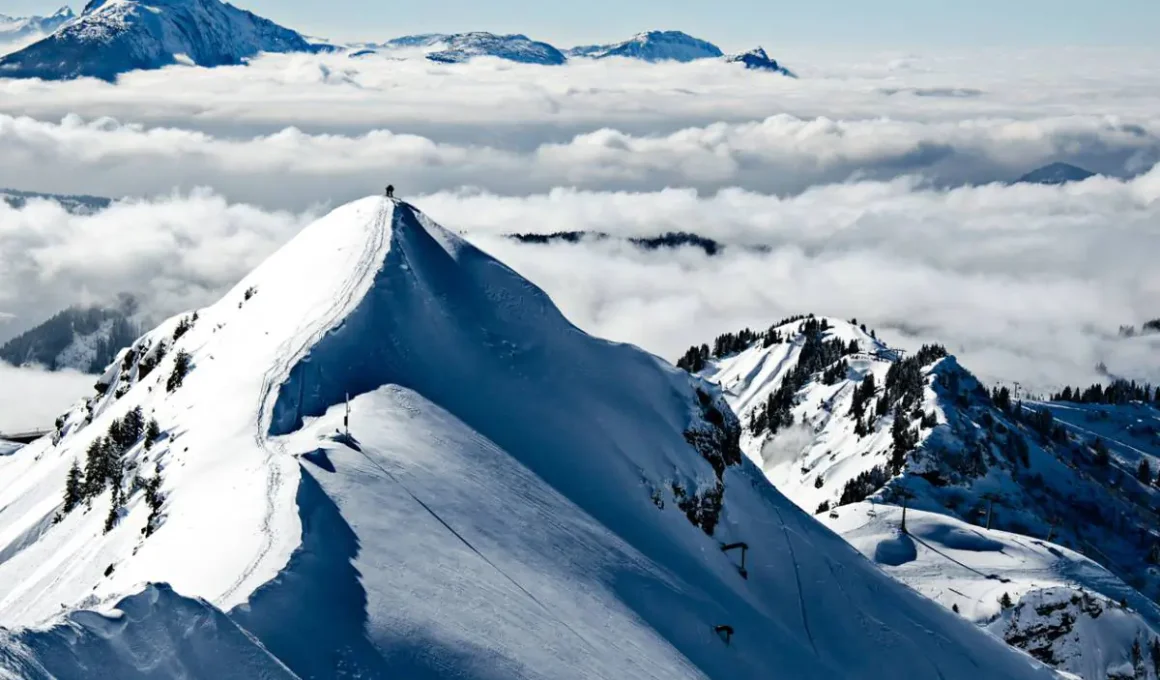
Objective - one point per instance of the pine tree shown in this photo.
(1144, 472)
(152, 433)
(1001, 397)
(180, 370)
(1154, 652)
(154, 499)
(1102, 456)
(132, 427)
(1005, 601)
(74, 487)
(94, 482)
(114, 509)
(955, 608)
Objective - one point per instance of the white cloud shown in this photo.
(1025, 283)
(779, 154)
(845, 177)
(172, 253)
(329, 128)
(31, 399)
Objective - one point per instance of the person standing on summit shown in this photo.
(390, 191)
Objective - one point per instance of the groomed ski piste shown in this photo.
(506, 504)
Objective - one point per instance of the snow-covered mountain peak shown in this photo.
(382, 425)
(757, 59)
(653, 46)
(115, 36)
(461, 47)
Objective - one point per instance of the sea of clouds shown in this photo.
(876, 187)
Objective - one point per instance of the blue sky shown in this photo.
(733, 24)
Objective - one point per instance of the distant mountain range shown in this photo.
(15, 29)
(112, 37)
(73, 204)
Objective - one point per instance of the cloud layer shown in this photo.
(31, 399)
(875, 187)
(1025, 282)
(291, 130)
(172, 253)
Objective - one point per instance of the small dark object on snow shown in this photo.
(109, 570)
(726, 633)
(744, 547)
(390, 191)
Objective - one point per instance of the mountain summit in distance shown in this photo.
(460, 47)
(1056, 173)
(653, 46)
(111, 37)
(14, 29)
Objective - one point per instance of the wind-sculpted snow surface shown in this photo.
(153, 634)
(515, 499)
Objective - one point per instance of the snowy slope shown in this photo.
(115, 36)
(462, 47)
(928, 430)
(758, 60)
(1041, 471)
(653, 46)
(153, 634)
(1063, 608)
(516, 498)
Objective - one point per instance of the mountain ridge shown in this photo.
(567, 497)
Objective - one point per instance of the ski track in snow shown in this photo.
(294, 349)
(798, 578)
(475, 550)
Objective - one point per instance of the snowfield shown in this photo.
(515, 499)
(1066, 609)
